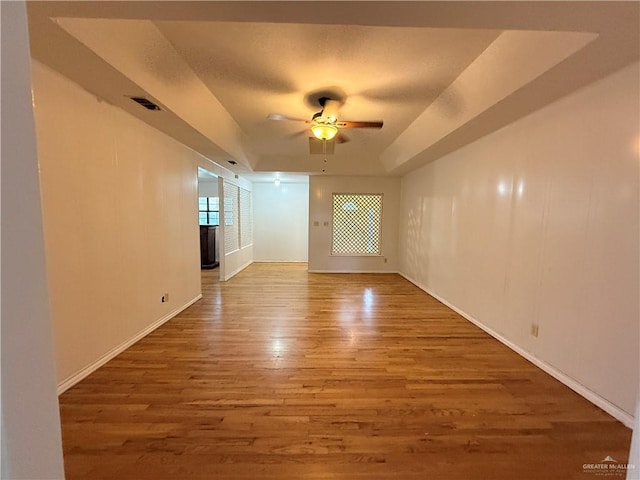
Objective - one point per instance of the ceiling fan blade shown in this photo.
(279, 116)
(298, 134)
(341, 138)
(348, 124)
(330, 109)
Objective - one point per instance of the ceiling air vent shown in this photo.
(146, 103)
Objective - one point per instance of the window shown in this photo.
(356, 224)
(208, 211)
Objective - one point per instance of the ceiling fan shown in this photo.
(324, 125)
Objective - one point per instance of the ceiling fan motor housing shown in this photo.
(320, 119)
(324, 125)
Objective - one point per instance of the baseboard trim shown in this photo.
(353, 271)
(237, 270)
(279, 261)
(89, 369)
(613, 410)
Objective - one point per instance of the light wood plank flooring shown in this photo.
(282, 374)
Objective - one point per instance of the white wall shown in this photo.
(633, 473)
(217, 171)
(280, 222)
(538, 224)
(208, 188)
(321, 190)
(120, 222)
(31, 441)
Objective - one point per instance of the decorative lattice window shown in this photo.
(356, 224)
(246, 220)
(231, 214)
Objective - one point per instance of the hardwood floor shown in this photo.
(282, 374)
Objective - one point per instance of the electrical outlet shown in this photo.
(534, 329)
(165, 298)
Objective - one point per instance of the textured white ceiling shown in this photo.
(386, 73)
(440, 74)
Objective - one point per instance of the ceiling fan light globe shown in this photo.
(324, 132)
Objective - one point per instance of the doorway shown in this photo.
(208, 219)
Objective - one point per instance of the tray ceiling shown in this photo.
(440, 74)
